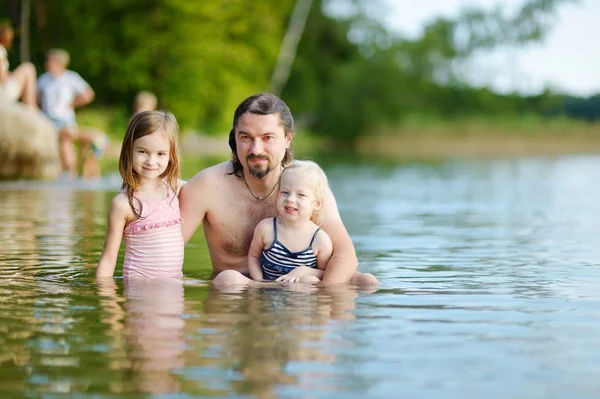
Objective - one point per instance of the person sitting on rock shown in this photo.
(60, 91)
(20, 83)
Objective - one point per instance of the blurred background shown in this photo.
(387, 77)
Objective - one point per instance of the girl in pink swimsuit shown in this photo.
(146, 210)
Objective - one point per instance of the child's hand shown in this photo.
(295, 275)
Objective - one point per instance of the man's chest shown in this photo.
(233, 226)
(59, 91)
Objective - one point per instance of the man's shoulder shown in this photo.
(69, 74)
(214, 175)
(217, 171)
(73, 77)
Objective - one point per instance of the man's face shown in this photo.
(261, 143)
(53, 65)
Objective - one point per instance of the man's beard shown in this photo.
(258, 171)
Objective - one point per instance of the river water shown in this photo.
(490, 288)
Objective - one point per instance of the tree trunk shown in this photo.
(25, 18)
(289, 46)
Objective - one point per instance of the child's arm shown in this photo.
(323, 250)
(117, 217)
(256, 247)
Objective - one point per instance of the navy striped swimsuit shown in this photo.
(277, 260)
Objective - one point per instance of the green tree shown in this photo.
(377, 78)
(200, 57)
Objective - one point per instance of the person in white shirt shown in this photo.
(60, 91)
(20, 83)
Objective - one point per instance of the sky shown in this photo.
(568, 60)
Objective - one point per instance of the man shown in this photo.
(230, 198)
(60, 92)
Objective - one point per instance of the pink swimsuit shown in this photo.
(154, 243)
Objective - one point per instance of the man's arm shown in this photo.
(343, 262)
(85, 94)
(84, 98)
(192, 204)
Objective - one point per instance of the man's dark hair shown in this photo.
(261, 104)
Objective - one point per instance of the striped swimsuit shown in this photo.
(154, 243)
(277, 260)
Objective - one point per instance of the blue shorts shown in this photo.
(60, 123)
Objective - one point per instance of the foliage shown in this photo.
(350, 75)
(199, 57)
(356, 86)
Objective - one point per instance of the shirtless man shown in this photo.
(230, 198)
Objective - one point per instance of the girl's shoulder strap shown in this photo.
(314, 236)
(275, 228)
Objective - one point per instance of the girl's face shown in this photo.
(296, 200)
(151, 155)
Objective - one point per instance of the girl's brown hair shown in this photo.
(143, 124)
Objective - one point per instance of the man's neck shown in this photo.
(57, 74)
(264, 186)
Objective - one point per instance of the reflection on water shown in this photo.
(147, 332)
(490, 289)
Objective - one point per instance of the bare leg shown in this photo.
(90, 164)
(93, 143)
(67, 152)
(91, 168)
(25, 75)
(86, 136)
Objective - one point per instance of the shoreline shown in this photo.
(429, 146)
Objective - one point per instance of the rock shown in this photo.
(28, 144)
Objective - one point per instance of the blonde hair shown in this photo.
(144, 124)
(144, 101)
(312, 173)
(60, 55)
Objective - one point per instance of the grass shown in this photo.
(111, 120)
(419, 136)
(429, 137)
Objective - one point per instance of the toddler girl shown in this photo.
(291, 247)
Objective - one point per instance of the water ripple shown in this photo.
(489, 269)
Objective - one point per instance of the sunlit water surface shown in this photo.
(490, 288)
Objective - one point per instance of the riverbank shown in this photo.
(417, 137)
(482, 138)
